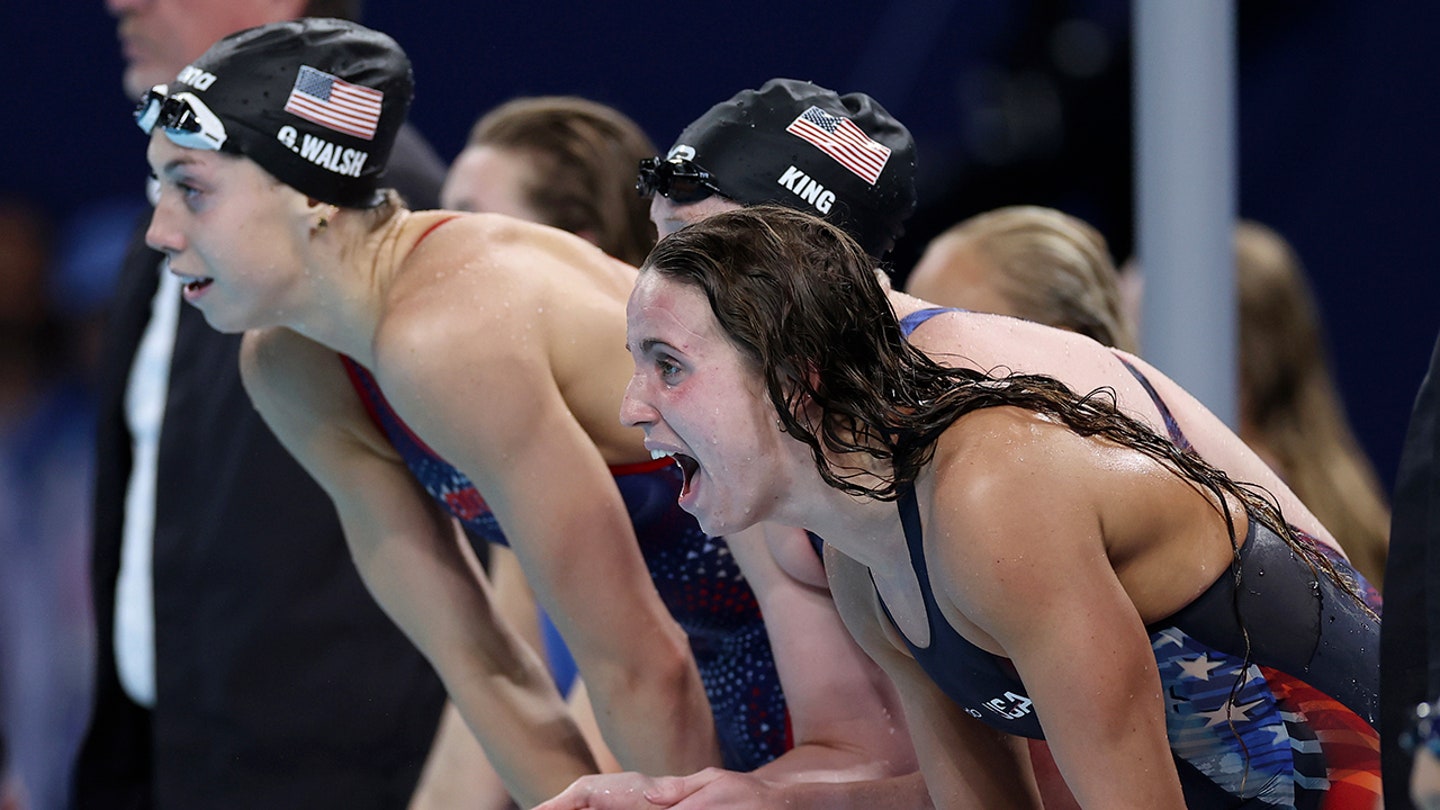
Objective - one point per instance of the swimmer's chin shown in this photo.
(226, 326)
(715, 525)
(725, 530)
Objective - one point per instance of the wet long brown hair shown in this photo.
(802, 303)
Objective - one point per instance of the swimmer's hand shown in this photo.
(710, 788)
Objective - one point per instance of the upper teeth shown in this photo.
(659, 454)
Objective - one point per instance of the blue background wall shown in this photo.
(1337, 120)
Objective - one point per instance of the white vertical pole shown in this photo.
(1184, 70)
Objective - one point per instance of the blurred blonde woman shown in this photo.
(1290, 411)
(1030, 262)
(1046, 266)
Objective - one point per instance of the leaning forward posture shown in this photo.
(1024, 561)
(413, 361)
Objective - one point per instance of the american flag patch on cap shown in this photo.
(840, 139)
(335, 103)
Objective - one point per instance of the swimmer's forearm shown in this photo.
(657, 719)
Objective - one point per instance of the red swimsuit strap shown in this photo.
(432, 228)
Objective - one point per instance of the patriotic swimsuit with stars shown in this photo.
(695, 575)
(1297, 732)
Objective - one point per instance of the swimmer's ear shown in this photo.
(799, 395)
(812, 379)
(323, 221)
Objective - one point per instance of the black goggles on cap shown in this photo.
(675, 178)
(183, 116)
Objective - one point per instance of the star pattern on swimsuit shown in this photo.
(1228, 713)
(1281, 733)
(1167, 637)
(1198, 668)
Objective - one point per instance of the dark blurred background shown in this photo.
(1010, 101)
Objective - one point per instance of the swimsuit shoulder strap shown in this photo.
(914, 320)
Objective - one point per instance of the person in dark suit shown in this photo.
(253, 668)
(1410, 636)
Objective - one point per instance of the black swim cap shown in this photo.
(315, 102)
(805, 147)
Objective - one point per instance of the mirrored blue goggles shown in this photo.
(184, 118)
(678, 179)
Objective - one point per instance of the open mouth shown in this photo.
(689, 467)
(196, 285)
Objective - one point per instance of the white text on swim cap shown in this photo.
(807, 189)
(196, 78)
(324, 154)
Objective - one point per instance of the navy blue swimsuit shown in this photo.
(1300, 730)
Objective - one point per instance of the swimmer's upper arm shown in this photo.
(303, 392)
(416, 563)
(495, 411)
(1016, 549)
